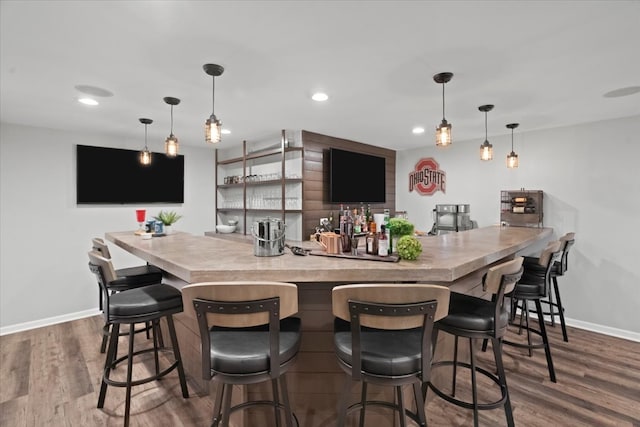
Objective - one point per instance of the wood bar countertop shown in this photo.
(445, 258)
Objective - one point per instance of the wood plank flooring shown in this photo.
(51, 377)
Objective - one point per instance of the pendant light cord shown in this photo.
(443, 118)
(145, 137)
(171, 119)
(512, 140)
(485, 126)
(213, 95)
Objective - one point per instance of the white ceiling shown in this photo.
(543, 64)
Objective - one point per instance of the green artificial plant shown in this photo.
(168, 217)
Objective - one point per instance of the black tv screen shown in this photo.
(115, 176)
(356, 177)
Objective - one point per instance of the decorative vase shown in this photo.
(168, 229)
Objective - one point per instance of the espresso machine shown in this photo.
(451, 218)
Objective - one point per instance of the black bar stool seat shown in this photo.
(145, 303)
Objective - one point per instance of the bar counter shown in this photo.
(445, 258)
(457, 260)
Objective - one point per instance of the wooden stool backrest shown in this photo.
(391, 293)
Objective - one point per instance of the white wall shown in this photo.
(591, 183)
(589, 175)
(45, 236)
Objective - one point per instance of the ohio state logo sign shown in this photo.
(427, 178)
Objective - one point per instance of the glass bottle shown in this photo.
(372, 240)
(383, 242)
(388, 230)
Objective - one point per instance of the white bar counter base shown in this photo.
(457, 260)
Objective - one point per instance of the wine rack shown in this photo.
(521, 208)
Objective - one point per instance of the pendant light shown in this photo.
(145, 155)
(171, 144)
(213, 126)
(512, 158)
(443, 132)
(486, 149)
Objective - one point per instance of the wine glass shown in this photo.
(140, 216)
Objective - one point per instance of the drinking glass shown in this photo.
(140, 216)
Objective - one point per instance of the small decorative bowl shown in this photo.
(222, 228)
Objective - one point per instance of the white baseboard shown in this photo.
(606, 330)
(593, 327)
(6, 330)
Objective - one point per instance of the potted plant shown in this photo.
(399, 227)
(167, 218)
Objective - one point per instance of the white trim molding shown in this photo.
(6, 330)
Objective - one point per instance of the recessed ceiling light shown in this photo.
(88, 101)
(225, 132)
(93, 91)
(320, 96)
(624, 91)
(417, 130)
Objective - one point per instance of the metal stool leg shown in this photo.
(127, 403)
(177, 356)
(545, 340)
(417, 395)
(474, 387)
(401, 410)
(342, 406)
(285, 398)
(560, 309)
(276, 400)
(217, 406)
(496, 343)
(363, 401)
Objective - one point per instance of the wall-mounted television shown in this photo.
(114, 176)
(356, 177)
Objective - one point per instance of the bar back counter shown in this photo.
(457, 260)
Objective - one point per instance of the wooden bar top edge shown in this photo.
(445, 258)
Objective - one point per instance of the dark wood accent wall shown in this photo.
(315, 204)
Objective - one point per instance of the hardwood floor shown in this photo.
(51, 376)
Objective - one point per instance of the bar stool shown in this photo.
(144, 304)
(383, 335)
(248, 335)
(126, 278)
(534, 285)
(476, 318)
(559, 269)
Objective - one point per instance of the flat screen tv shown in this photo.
(356, 177)
(114, 176)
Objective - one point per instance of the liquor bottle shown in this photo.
(388, 230)
(372, 240)
(357, 225)
(331, 224)
(383, 242)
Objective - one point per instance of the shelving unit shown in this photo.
(264, 180)
(522, 208)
